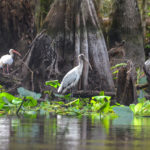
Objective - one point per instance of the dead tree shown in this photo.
(126, 89)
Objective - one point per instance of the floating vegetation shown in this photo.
(27, 102)
(31, 103)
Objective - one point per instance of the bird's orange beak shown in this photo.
(14, 51)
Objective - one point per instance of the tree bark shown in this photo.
(39, 66)
(75, 29)
(72, 30)
(126, 89)
(144, 8)
(126, 25)
(16, 25)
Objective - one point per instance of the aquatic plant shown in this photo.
(141, 109)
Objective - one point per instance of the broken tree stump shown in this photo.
(126, 81)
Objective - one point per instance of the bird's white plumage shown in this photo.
(7, 59)
(1, 64)
(147, 62)
(72, 77)
(147, 65)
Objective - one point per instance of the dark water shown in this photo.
(68, 133)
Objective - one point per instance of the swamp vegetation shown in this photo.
(113, 35)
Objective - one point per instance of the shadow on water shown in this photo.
(68, 133)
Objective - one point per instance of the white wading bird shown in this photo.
(72, 77)
(147, 64)
(1, 64)
(8, 59)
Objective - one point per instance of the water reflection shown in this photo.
(68, 133)
(4, 133)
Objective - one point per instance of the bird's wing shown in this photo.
(6, 59)
(69, 78)
(1, 64)
(147, 62)
(147, 66)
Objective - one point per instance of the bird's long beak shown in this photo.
(88, 63)
(14, 51)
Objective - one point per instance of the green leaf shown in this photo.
(101, 93)
(30, 101)
(115, 72)
(132, 107)
(8, 96)
(24, 93)
(118, 65)
(105, 107)
(68, 97)
(138, 107)
(16, 101)
(53, 83)
(93, 102)
(101, 98)
(1, 105)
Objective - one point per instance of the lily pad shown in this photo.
(125, 116)
(24, 93)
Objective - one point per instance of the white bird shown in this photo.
(8, 59)
(1, 64)
(146, 66)
(147, 62)
(72, 77)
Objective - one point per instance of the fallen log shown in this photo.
(85, 94)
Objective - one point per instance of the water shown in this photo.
(68, 133)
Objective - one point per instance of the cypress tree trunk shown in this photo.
(74, 28)
(16, 24)
(126, 25)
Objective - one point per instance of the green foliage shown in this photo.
(30, 102)
(105, 7)
(9, 103)
(147, 46)
(116, 69)
(101, 103)
(141, 79)
(141, 109)
(53, 83)
(2, 89)
(97, 106)
(119, 65)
